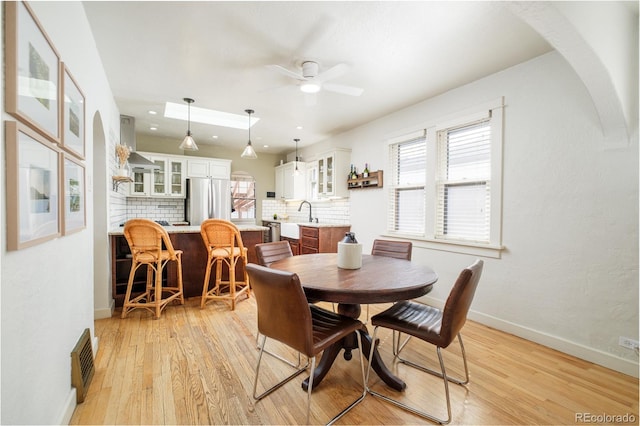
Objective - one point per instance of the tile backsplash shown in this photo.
(330, 211)
(156, 209)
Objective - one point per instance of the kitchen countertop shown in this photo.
(310, 224)
(192, 229)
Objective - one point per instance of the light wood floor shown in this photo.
(196, 366)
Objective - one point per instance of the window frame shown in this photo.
(244, 177)
(494, 110)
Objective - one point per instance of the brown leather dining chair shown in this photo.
(388, 248)
(397, 249)
(285, 315)
(146, 239)
(438, 327)
(267, 253)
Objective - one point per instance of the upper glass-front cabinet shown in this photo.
(333, 168)
(168, 180)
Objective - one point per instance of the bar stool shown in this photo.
(224, 246)
(146, 238)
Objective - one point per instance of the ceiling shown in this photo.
(217, 53)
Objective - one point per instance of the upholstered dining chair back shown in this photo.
(397, 249)
(268, 253)
(456, 308)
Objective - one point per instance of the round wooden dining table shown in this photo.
(380, 280)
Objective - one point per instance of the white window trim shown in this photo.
(494, 248)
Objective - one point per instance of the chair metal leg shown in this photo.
(364, 385)
(286, 361)
(279, 384)
(404, 406)
(434, 372)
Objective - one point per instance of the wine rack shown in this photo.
(374, 180)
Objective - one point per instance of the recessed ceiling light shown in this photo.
(299, 127)
(215, 136)
(265, 146)
(152, 112)
(153, 128)
(209, 116)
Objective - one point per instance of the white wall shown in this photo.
(568, 277)
(47, 291)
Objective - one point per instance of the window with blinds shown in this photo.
(447, 180)
(408, 164)
(463, 182)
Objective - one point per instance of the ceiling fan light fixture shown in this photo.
(249, 152)
(310, 87)
(188, 144)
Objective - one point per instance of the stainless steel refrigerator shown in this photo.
(207, 198)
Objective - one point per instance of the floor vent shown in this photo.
(82, 366)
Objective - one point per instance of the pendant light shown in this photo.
(296, 172)
(188, 143)
(249, 152)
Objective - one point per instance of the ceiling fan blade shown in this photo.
(342, 89)
(286, 72)
(333, 72)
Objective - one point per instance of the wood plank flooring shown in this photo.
(196, 366)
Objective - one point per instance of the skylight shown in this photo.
(208, 116)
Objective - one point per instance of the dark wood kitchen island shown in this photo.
(194, 259)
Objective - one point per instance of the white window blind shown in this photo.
(463, 182)
(407, 190)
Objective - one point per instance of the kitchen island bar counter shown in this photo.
(191, 229)
(194, 259)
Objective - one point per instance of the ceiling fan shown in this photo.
(312, 81)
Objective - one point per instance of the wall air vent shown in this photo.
(82, 366)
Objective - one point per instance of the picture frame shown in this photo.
(32, 72)
(74, 211)
(73, 114)
(33, 187)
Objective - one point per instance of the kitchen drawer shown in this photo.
(308, 250)
(306, 231)
(309, 242)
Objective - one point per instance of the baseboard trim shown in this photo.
(622, 365)
(68, 409)
(105, 312)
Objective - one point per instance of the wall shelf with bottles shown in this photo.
(374, 180)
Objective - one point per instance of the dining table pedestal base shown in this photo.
(348, 344)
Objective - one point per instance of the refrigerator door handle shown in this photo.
(214, 201)
(210, 200)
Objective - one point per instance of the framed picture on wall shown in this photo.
(72, 114)
(73, 197)
(32, 72)
(33, 187)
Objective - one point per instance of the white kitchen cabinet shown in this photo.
(167, 181)
(332, 173)
(290, 186)
(208, 167)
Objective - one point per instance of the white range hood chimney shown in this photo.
(128, 137)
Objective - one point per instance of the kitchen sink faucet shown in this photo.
(300, 209)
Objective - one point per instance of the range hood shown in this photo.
(128, 137)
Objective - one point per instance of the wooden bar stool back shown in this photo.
(224, 246)
(146, 239)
